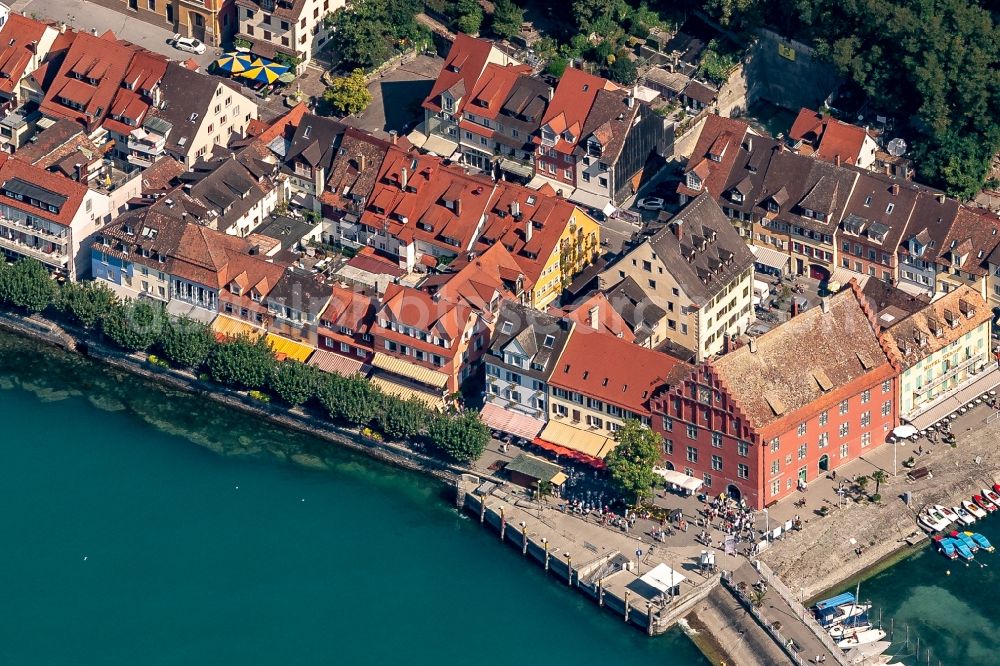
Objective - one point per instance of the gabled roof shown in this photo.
(492, 89)
(19, 43)
(930, 223)
(355, 168)
(541, 336)
(478, 280)
(90, 75)
(16, 174)
(609, 122)
(351, 309)
(881, 206)
(315, 141)
(952, 316)
(547, 214)
(605, 315)
(416, 308)
(570, 105)
(612, 370)
(971, 238)
(796, 182)
(724, 136)
(440, 204)
(300, 290)
(831, 347)
(462, 67)
(187, 96)
(828, 138)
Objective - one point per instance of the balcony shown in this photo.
(970, 362)
(140, 160)
(22, 226)
(57, 258)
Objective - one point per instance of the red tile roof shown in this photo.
(350, 309)
(373, 263)
(462, 68)
(571, 102)
(547, 214)
(74, 192)
(720, 137)
(610, 369)
(441, 205)
(492, 89)
(607, 318)
(483, 278)
(830, 138)
(18, 37)
(415, 308)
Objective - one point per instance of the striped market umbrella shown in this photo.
(265, 72)
(234, 63)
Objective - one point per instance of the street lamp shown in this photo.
(524, 538)
(638, 554)
(569, 570)
(545, 544)
(767, 525)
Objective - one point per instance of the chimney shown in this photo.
(458, 207)
(679, 229)
(836, 160)
(551, 92)
(795, 307)
(393, 137)
(629, 99)
(895, 188)
(940, 197)
(595, 317)
(824, 304)
(749, 144)
(515, 209)
(404, 178)
(528, 229)
(361, 163)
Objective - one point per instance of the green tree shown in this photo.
(351, 399)
(401, 419)
(242, 362)
(186, 342)
(462, 437)
(134, 325)
(728, 12)
(470, 16)
(862, 482)
(27, 285)
(557, 66)
(507, 19)
(86, 302)
(623, 70)
(295, 383)
(367, 33)
(349, 94)
(630, 463)
(715, 65)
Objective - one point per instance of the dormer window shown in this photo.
(888, 209)
(693, 181)
(772, 206)
(549, 341)
(235, 288)
(736, 196)
(868, 200)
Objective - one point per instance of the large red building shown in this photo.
(771, 417)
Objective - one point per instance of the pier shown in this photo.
(613, 568)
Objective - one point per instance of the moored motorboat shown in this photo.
(963, 551)
(946, 512)
(984, 503)
(982, 541)
(969, 506)
(966, 539)
(933, 521)
(840, 631)
(964, 516)
(996, 487)
(935, 513)
(860, 638)
(946, 547)
(992, 496)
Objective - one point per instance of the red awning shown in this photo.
(596, 463)
(515, 423)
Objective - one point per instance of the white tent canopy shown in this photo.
(680, 480)
(662, 577)
(904, 431)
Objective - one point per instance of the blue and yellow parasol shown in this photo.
(264, 72)
(234, 63)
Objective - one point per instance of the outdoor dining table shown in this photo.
(992, 392)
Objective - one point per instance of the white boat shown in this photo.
(846, 611)
(839, 631)
(948, 514)
(964, 515)
(976, 511)
(860, 638)
(864, 654)
(933, 521)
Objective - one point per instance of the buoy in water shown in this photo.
(948, 572)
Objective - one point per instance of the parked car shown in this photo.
(188, 44)
(650, 203)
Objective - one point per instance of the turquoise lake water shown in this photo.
(955, 616)
(126, 543)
